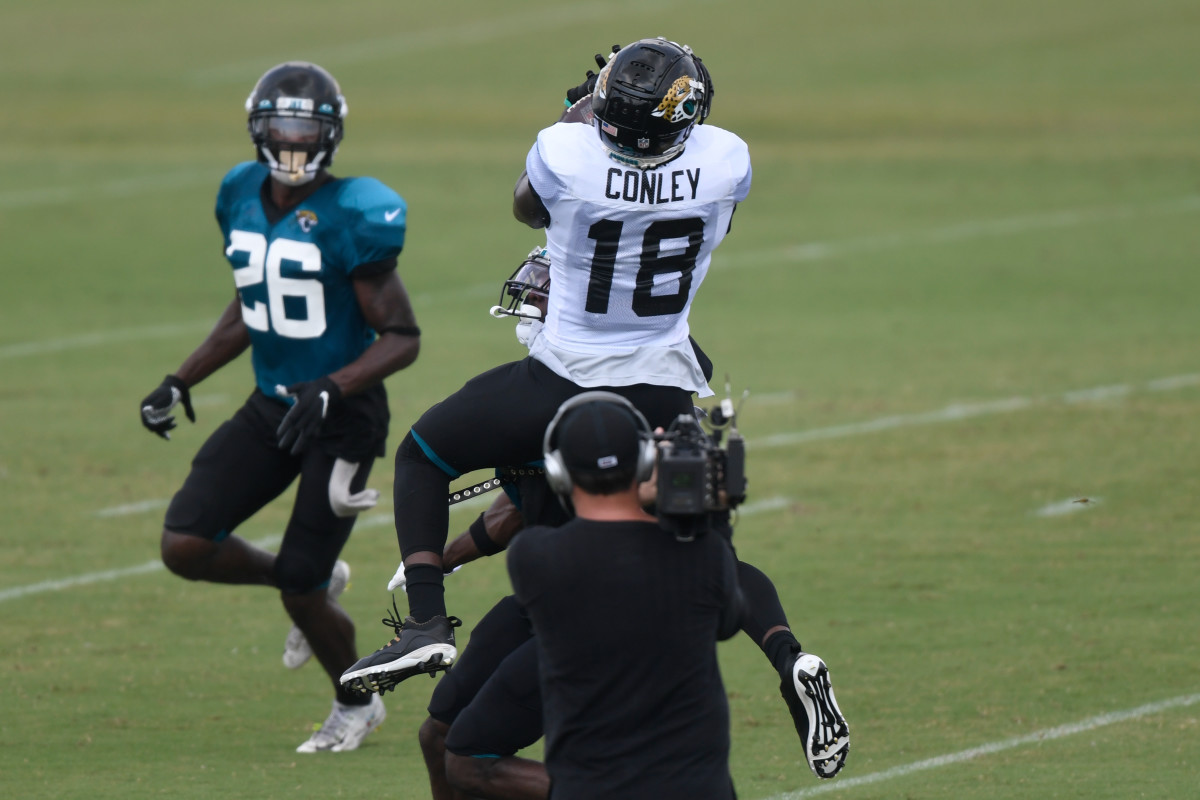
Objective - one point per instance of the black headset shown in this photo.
(557, 474)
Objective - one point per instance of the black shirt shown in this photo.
(626, 620)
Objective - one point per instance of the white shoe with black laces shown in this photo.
(345, 727)
(822, 728)
(296, 649)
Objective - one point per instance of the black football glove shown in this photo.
(156, 408)
(315, 400)
(577, 93)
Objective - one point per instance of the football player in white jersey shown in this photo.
(634, 206)
(632, 233)
(633, 202)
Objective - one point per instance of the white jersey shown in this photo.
(628, 249)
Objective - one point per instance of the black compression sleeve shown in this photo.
(763, 610)
(479, 536)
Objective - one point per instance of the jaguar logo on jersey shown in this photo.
(306, 219)
(681, 101)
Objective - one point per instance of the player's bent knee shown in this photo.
(410, 451)
(297, 575)
(432, 736)
(469, 774)
(184, 554)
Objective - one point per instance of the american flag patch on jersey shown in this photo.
(609, 129)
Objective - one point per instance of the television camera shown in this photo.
(699, 480)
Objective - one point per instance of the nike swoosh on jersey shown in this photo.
(391, 215)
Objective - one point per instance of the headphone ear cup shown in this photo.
(556, 473)
(646, 458)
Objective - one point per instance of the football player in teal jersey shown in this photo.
(326, 317)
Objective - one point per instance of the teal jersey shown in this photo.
(294, 275)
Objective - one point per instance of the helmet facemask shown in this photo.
(296, 112)
(295, 148)
(527, 291)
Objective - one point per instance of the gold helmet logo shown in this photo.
(681, 101)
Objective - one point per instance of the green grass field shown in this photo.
(963, 291)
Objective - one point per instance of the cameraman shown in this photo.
(631, 709)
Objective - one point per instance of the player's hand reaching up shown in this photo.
(577, 93)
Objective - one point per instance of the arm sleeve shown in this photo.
(517, 560)
(731, 609)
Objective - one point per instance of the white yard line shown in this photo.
(960, 231)
(102, 576)
(951, 413)
(1037, 737)
(1071, 506)
(108, 190)
(960, 411)
(134, 508)
(372, 521)
(82, 341)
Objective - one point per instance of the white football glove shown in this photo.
(343, 503)
(528, 329)
(398, 580)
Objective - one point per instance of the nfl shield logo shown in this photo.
(643, 144)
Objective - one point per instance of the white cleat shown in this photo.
(819, 722)
(296, 650)
(345, 727)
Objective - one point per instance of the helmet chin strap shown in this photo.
(293, 178)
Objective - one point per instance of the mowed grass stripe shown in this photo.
(814, 251)
(961, 411)
(950, 413)
(373, 521)
(464, 32)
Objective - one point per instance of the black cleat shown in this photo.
(426, 647)
(819, 721)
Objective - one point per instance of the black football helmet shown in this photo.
(296, 111)
(527, 290)
(647, 100)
